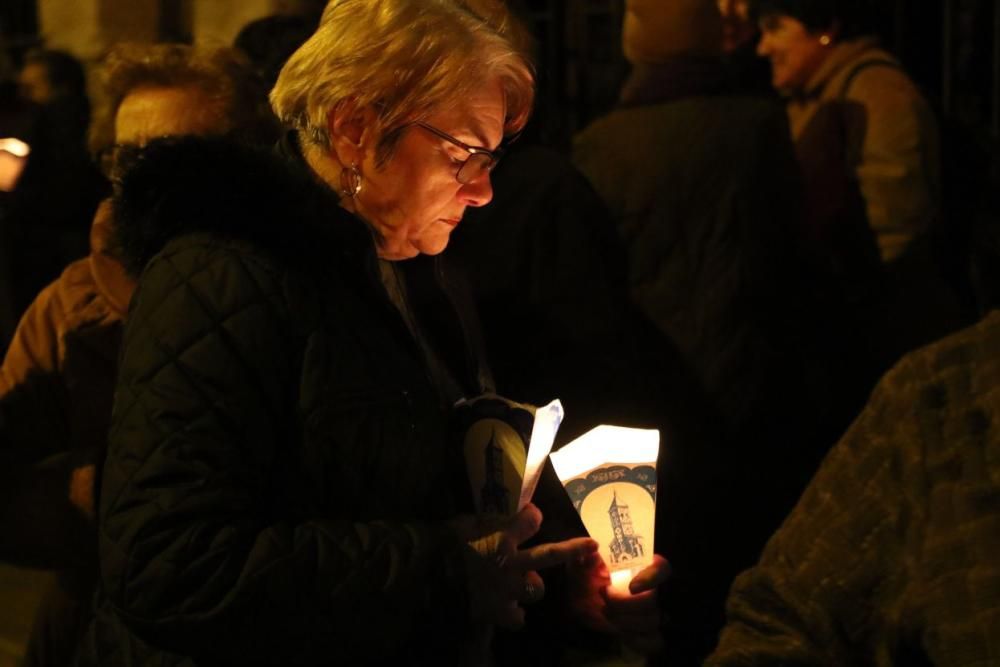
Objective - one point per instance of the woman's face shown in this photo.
(415, 200)
(795, 52)
(737, 28)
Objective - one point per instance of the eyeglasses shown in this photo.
(480, 161)
(109, 159)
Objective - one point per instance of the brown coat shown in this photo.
(891, 556)
(60, 367)
(880, 128)
(56, 387)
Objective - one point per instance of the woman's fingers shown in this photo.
(524, 524)
(651, 577)
(553, 553)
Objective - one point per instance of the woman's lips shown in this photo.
(450, 222)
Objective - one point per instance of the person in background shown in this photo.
(281, 485)
(748, 72)
(269, 41)
(58, 375)
(702, 186)
(890, 557)
(868, 147)
(56, 79)
(851, 101)
(47, 214)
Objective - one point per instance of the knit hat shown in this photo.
(655, 31)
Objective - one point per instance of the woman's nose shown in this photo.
(477, 192)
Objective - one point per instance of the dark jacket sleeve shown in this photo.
(195, 556)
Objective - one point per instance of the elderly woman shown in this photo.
(281, 486)
(58, 376)
(866, 138)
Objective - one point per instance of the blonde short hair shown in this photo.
(405, 59)
(225, 75)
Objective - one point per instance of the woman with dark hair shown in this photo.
(866, 138)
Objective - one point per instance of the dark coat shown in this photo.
(703, 187)
(279, 468)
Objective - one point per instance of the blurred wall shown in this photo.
(86, 28)
(217, 21)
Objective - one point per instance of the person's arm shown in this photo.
(197, 555)
(893, 134)
(46, 490)
(835, 567)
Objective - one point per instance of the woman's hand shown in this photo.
(634, 617)
(503, 576)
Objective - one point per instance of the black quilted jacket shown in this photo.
(278, 470)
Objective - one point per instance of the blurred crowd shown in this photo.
(752, 252)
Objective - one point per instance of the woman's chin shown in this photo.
(432, 246)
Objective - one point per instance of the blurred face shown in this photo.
(415, 200)
(795, 52)
(33, 84)
(151, 112)
(737, 29)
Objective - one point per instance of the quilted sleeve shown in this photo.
(828, 577)
(195, 558)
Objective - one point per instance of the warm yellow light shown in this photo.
(610, 476)
(15, 147)
(620, 579)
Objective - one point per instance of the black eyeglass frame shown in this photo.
(493, 155)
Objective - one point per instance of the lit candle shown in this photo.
(610, 476)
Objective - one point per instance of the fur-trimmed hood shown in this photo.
(178, 186)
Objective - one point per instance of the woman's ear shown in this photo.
(351, 128)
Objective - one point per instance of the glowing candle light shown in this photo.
(610, 476)
(15, 147)
(13, 156)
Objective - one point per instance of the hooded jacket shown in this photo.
(279, 470)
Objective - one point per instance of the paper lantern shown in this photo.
(503, 470)
(610, 476)
(13, 156)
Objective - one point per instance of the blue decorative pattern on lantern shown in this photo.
(580, 488)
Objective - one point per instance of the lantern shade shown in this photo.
(543, 434)
(610, 476)
(503, 461)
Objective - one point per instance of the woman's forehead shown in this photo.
(476, 118)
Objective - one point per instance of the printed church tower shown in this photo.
(494, 495)
(626, 545)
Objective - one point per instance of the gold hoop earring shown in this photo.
(350, 181)
(825, 40)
